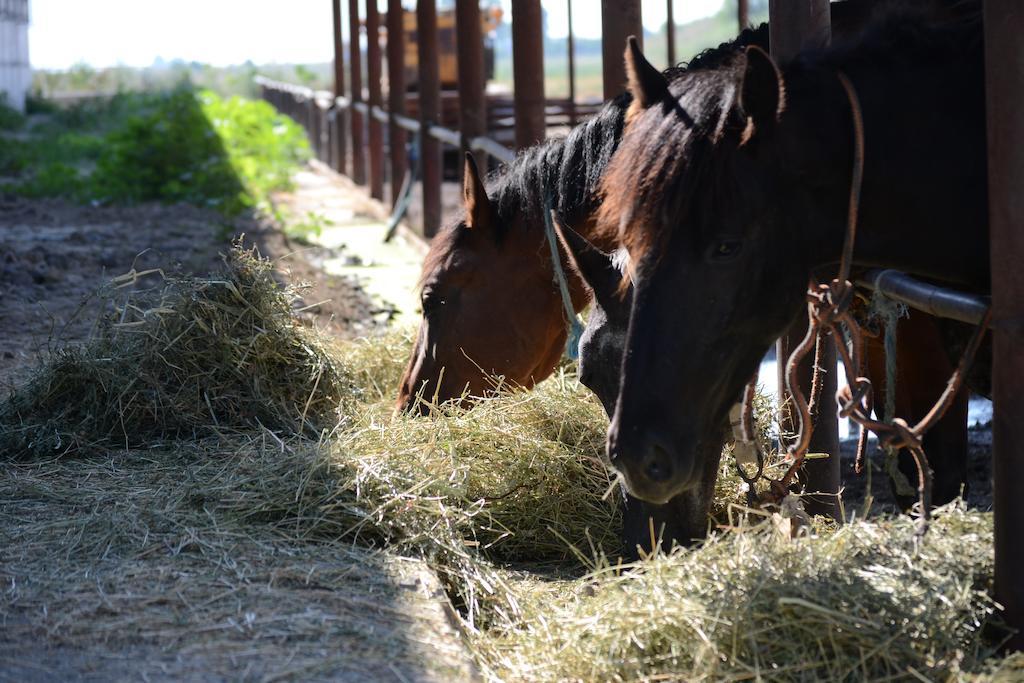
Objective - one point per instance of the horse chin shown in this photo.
(658, 493)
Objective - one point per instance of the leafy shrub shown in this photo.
(181, 146)
(10, 118)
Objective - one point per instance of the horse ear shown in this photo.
(763, 95)
(647, 84)
(475, 200)
(595, 268)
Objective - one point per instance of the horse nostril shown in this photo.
(657, 464)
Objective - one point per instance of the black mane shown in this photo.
(570, 168)
(673, 156)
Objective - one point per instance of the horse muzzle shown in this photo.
(653, 470)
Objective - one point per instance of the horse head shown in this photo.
(490, 311)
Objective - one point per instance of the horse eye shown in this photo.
(431, 301)
(725, 250)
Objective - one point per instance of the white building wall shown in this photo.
(15, 69)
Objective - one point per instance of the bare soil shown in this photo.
(55, 255)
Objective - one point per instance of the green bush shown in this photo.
(10, 118)
(181, 146)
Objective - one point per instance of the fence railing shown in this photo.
(364, 135)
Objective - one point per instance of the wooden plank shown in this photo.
(620, 19)
(796, 24)
(396, 95)
(528, 72)
(356, 95)
(373, 75)
(1004, 79)
(430, 101)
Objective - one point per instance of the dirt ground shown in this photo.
(139, 586)
(54, 255)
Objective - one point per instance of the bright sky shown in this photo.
(135, 32)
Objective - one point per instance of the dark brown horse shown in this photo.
(730, 191)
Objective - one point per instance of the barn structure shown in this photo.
(352, 127)
(15, 70)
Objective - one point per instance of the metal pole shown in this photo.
(470, 50)
(396, 94)
(670, 30)
(339, 88)
(571, 47)
(743, 13)
(430, 101)
(356, 71)
(796, 24)
(528, 72)
(1004, 80)
(620, 19)
(373, 75)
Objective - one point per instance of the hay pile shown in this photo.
(861, 603)
(287, 447)
(194, 357)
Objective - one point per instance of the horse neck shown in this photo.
(923, 205)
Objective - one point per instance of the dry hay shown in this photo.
(302, 483)
(194, 357)
(865, 602)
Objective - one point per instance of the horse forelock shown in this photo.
(663, 157)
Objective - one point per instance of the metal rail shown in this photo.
(928, 298)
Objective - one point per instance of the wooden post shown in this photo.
(341, 135)
(430, 100)
(470, 50)
(528, 72)
(670, 30)
(1004, 81)
(571, 47)
(373, 75)
(620, 19)
(796, 24)
(356, 78)
(743, 14)
(396, 94)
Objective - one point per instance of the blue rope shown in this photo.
(575, 327)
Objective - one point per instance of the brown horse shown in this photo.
(491, 302)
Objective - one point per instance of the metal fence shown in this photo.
(359, 134)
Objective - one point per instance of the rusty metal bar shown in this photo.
(670, 30)
(571, 49)
(796, 24)
(396, 94)
(620, 19)
(446, 135)
(1004, 80)
(743, 13)
(430, 109)
(341, 134)
(356, 94)
(528, 72)
(405, 123)
(931, 299)
(373, 75)
(470, 50)
(493, 149)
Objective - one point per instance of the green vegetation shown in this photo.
(10, 118)
(177, 146)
